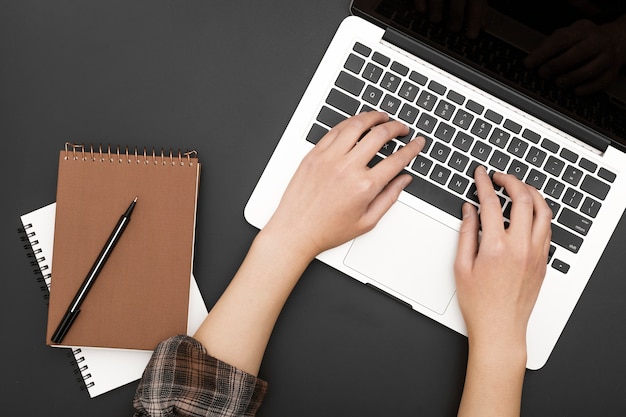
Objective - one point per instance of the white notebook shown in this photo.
(102, 369)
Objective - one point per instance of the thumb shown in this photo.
(468, 240)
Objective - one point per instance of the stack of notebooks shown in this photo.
(145, 291)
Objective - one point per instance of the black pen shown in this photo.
(74, 308)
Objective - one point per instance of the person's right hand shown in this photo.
(498, 279)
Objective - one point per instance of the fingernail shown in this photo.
(466, 210)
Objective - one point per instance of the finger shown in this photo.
(396, 162)
(374, 140)
(592, 70)
(467, 247)
(456, 15)
(542, 221)
(490, 208)
(347, 133)
(552, 46)
(522, 203)
(435, 10)
(385, 199)
(475, 18)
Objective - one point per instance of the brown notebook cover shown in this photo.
(141, 295)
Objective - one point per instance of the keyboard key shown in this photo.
(574, 221)
(569, 155)
(472, 168)
(436, 87)
(435, 195)
(418, 78)
(342, 102)
(381, 59)
(362, 49)
(408, 137)
(590, 207)
(549, 145)
(440, 152)
(458, 184)
(588, 165)
(372, 73)
(399, 68)
(566, 239)
(444, 132)
(408, 113)
(512, 126)
(518, 147)
(535, 156)
(426, 100)
(445, 110)
(531, 136)
(316, 133)
(408, 91)
(463, 119)
(481, 151)
(554, 206)
(350, 83)
(499, 138)
(499, 160)
(518, 169)
(426, 122)
(493, 116)
(481, 128)
(329, 117)
(390, 104)
(536, 179)
(572, 197)
(554, 188)
(477, 108)
(455, 97)
(607, 175)
(422, 165)
(554, 166)
(560, 266)
(458, 161)
(595, 187)
(440, 174)
(462, 141)
(372, 95)
(572, 175)
(354, 63)
(388, 148)
(390, 82)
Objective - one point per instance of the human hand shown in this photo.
(334, 196)
(584, 56)
(457, 13)
(498, 279)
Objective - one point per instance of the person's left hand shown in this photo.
(334, 196)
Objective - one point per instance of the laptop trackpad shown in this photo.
(411, 254)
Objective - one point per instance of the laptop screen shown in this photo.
(566, 56)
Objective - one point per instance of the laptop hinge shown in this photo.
(583, 135)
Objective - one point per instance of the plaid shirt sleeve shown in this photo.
(181, 379)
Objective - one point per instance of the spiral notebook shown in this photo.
(101, 369)
(141, 295)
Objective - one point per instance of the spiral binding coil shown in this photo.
(77, 152)
(80, 368)
(33, 252)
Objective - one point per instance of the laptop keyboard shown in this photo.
(460, 135)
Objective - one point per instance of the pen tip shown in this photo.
(135, 200)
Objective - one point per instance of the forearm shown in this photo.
(493, 383)
(239, 326)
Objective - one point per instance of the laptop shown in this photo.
(476, 103)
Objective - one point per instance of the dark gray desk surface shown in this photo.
(223, 77)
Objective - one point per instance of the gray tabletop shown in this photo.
(222, 77)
